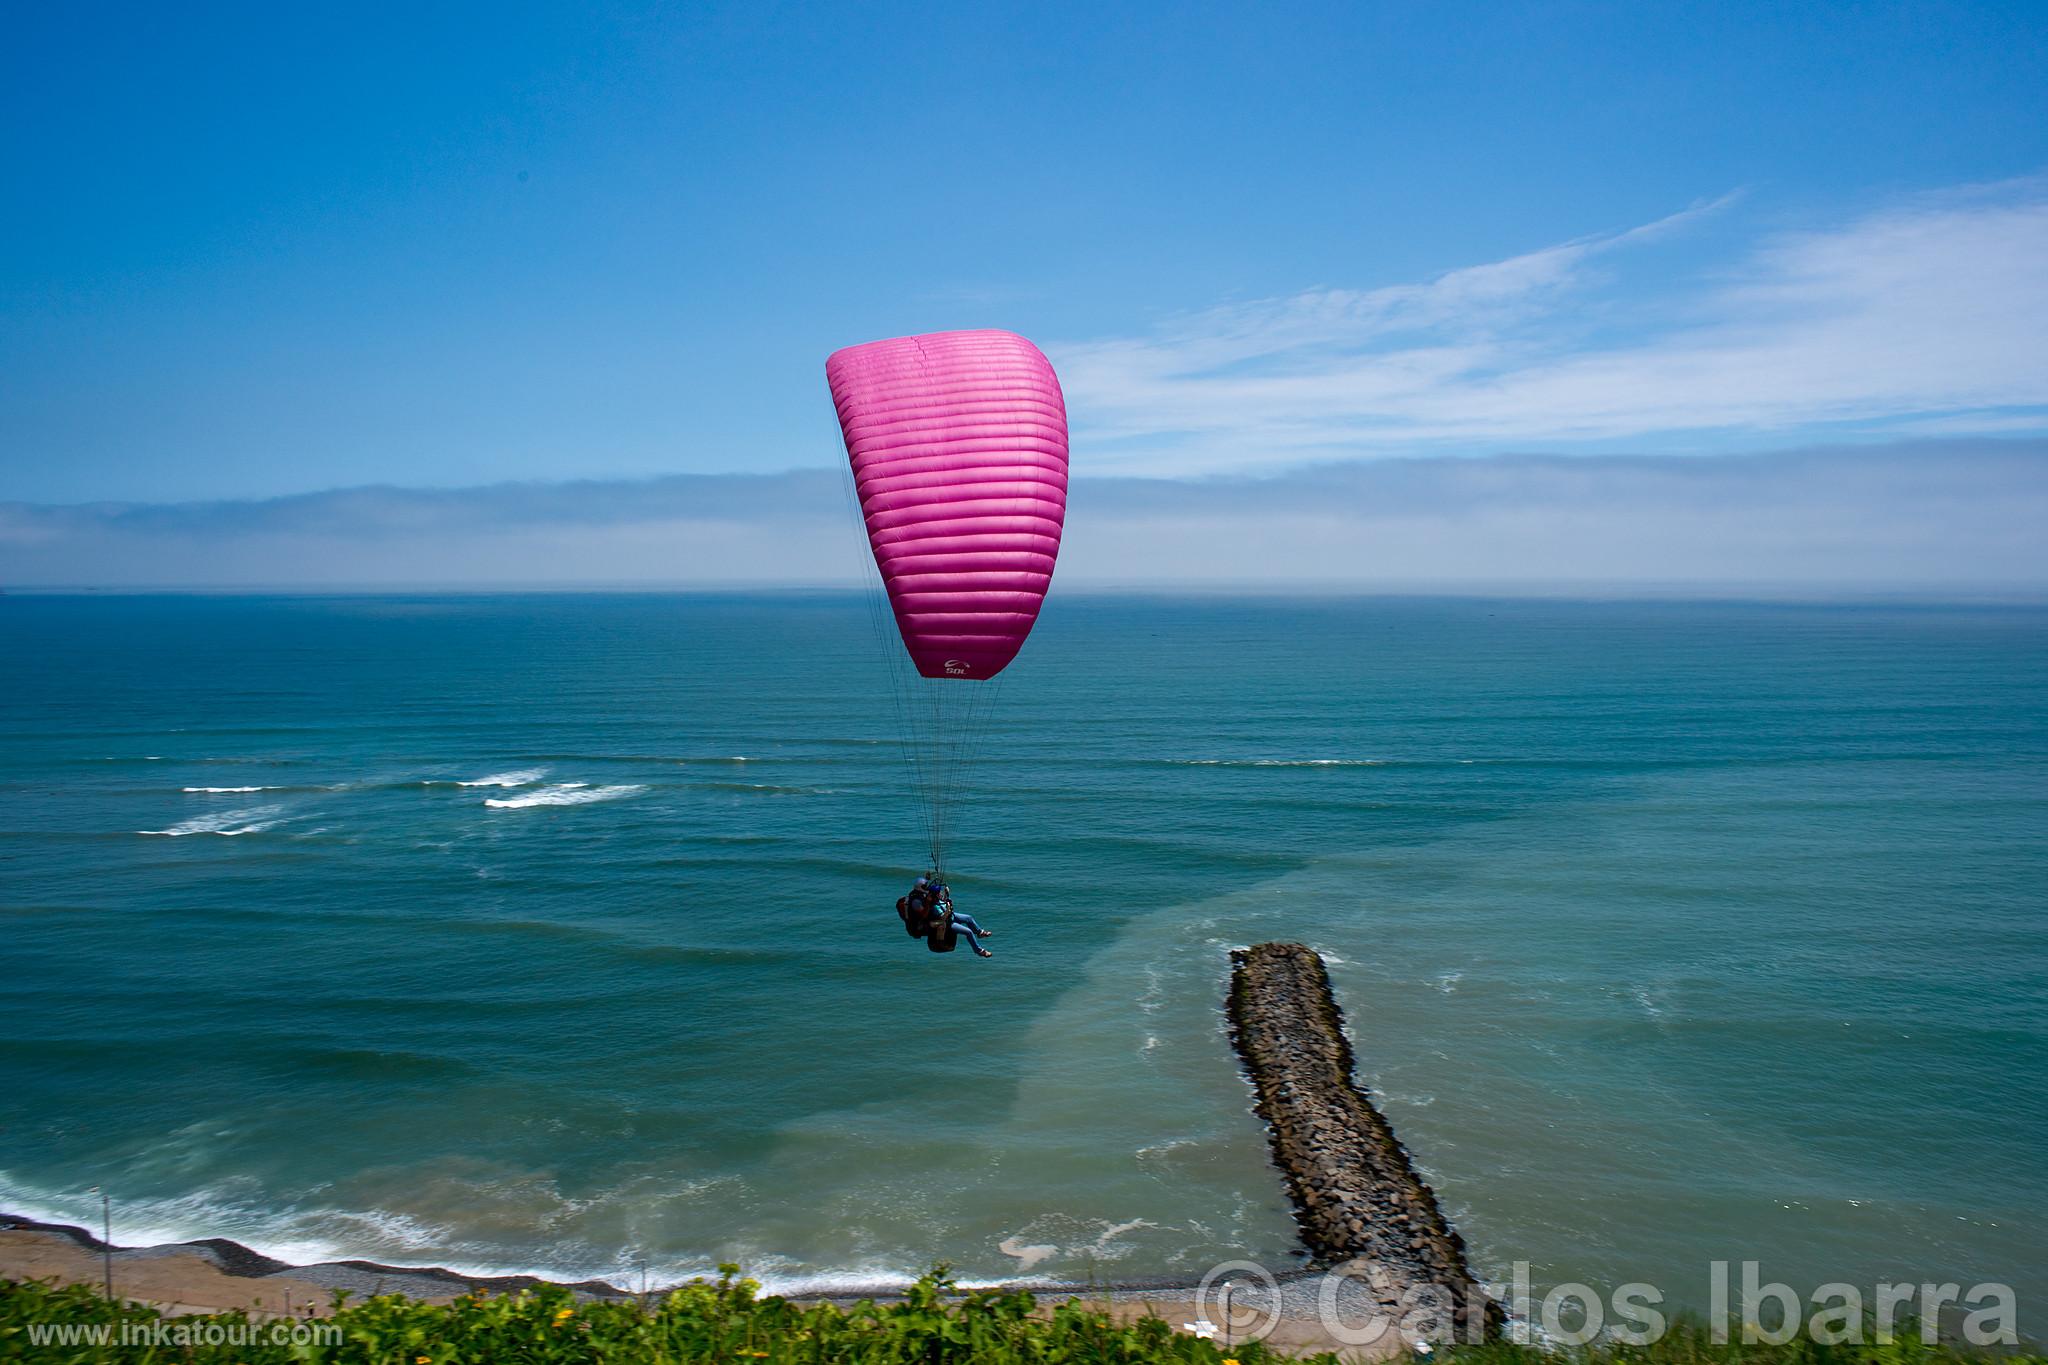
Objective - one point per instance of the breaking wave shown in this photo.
(226, 823)
(1278, 762)
(563, 794)
(518, 778)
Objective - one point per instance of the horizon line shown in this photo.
(1780, 592)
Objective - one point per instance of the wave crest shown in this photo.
(227, 823)
(1278, 762)
(519, 777)
(563, 794)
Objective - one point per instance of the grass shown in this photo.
(728, 1321)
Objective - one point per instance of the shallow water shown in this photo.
(555, 932)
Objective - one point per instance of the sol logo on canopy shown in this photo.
(956, 668)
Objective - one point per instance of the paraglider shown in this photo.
(957, 447)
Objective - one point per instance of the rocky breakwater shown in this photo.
(1357, 1197)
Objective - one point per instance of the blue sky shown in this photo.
(256, 251)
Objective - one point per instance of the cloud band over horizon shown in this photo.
(1944, 515)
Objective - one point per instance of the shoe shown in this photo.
(988, 933)
(980, 951)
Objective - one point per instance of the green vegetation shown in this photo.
(722, 1321)
(726, 1321)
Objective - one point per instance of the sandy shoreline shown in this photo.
(217, 1274)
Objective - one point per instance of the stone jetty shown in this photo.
(1357, 1197)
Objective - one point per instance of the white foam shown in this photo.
(1153, 998)
(1318, 762)
(218, 790)
(1116, 1230)
(1279, 762)
(312, 1234)
(519, 778)
(305, 1236)
(563, 794)
(227, 823)
(798, 1283)
(1028, 1254)
(1164, 1148)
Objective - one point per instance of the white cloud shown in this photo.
(1929, 315)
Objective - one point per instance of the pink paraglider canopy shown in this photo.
(959, 448)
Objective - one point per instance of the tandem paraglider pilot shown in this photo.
(928, 913)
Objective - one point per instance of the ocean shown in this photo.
(557, 932)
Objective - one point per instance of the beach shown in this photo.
(182, 1278)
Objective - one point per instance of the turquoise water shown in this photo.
(1667, 931)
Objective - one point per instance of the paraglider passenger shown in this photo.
(963, 923)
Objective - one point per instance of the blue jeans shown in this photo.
(965, 924)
